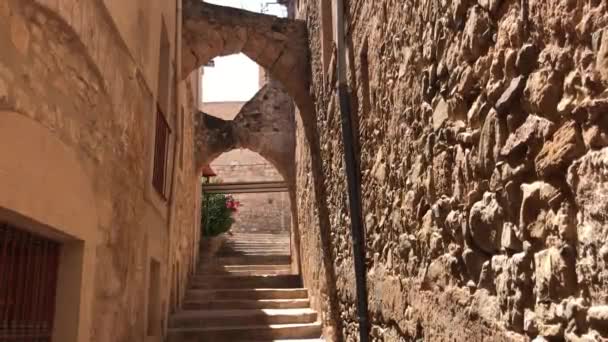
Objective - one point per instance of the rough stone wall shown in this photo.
(64, 65)
(260, 212)
(483, 154)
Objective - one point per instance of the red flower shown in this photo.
(231, 203)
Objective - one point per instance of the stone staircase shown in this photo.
(247, 294)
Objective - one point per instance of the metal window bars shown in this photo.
(161, 154)
(28, 283)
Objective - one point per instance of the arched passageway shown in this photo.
(259, 210)
(277, 44)
(265, 125)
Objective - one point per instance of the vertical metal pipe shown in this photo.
(352, 177)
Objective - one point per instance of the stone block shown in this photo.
(556, 155)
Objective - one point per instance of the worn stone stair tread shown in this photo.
(260, 272)
(253, 259)
(246, 328)
(246, 281)
(248, 272)
(235, 277)
(243, 312)
(225, 304)
(289, 293)
(239, 317)
(255, 266)
(249, 292)
(259, 252)
(288, 340)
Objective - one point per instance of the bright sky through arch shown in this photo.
(235, 77)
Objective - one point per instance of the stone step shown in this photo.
(245, 272)
(254, 242)
(229, 318)
(246, 333)
(256, 248)
(246, 242)
(292, 340)
(238, 234)
(261, 251)
(258, 237)
(193, 295)
(256, 267)
(254, 260)
(227, 304)
(246, 253)
(258, 240)
(238, 281)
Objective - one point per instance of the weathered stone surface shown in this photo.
(526, 59)
(476, 33)
(598, 317)
(493, 136)
(555, 274)
(529, 137)
(478, 112)
(510, 240)
(534, 212)
(73, 70)
(475, 57)
(601, 61)
(542, 93)
(490, 5)
(513, 92)
(589, 183)
(440, 114)
(485, 223)
(556, 155)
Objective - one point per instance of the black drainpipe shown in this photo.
(352, 177)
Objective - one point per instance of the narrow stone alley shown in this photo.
(399, 170)
(247, 292)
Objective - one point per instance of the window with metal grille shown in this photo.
(327, 34)
(28, 283)
(161, 154)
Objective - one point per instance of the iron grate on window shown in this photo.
(161, 151)
(28, 281)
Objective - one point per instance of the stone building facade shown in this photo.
(483, 153)
(83, 85)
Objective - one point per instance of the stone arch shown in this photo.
(277, 44)
(47, 167)
(265, 125)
